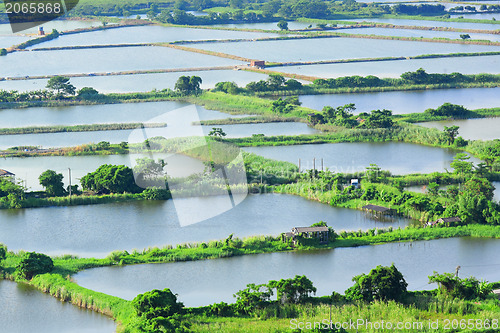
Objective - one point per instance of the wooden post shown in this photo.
(321, 164)
(299, 165)
(314, 167)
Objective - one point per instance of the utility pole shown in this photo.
(321, 164)
(69, 171)
(314, 167)
(299, 165)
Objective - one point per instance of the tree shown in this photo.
(227, 87)
(275, 81)
(451, 133)
(465, 36)
(159, 311)
(252, 297)
(110, 179)
(34, 263)
(61, 85)
(461, 165)
(150, 173)
(156, 303)
(87, 93)
(217, 132)
(296, 290)
(433, 188)
(188, 84)
(3, 251)
(468, 288)
(373, 173)
(382, 283)
(3, 52)
(52, 181)
(283, 25)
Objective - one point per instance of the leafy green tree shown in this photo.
(296, 290)
(227, 87)
(419, 76)
(382, 283)
(52, 181)
(283, 25)
(461, 165)
(3, 252)
(156, 303)
(110, 179)
(159, 311)
(468, 288)
(3, 52)
(217, 132)
(281, 106)
(451, 133)
(379, 119)
(275, 81)
(252, 297)
(433, 188)
(32, 264)
(88, 93)
(465, 36)
(188, 84)
(61, 85)
(373, 173)
(293, 84)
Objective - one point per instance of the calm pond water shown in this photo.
(51, 140)
(8, 41)
(25, 309)
(425, 23)
(471, 129)
(107, 113)
(399, 158)
(105, 60)
(404, 102)
(148, 34)
(337, 48)
(417, 33)
(137, 225)
(209, 281)
(142, 82)
(464, 65)
(29, 168)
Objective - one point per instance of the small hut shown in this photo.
(258, 63)
(7, 174)
(320, 233)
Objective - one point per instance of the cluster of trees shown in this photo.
(286, 105)
(448, 110)
(343, 116)
(110, 179)
(58, 87)
(422, 9)
(11, 194)
(159, 311)
(468, 288)
(32, 264)
(187, 85)
(274, 82)
(420, 76)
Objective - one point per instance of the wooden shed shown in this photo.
(375, 208)
(258, 63)
(320, 233)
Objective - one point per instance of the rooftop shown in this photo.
(5, 173)
(310, 229)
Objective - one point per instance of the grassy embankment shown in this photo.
(58, 283)
(78, 128)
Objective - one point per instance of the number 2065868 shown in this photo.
(33, 8)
